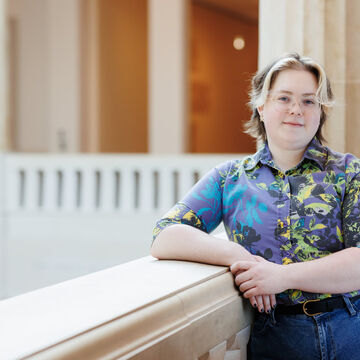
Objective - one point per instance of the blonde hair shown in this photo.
(264, 79)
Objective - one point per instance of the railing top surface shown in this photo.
(45, 317)
(44, 158)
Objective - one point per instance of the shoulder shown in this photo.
(347, 163)
(234, 168)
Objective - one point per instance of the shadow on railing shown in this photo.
(144, 309)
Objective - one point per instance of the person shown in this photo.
(292, 213)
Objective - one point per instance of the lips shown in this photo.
(293, 123)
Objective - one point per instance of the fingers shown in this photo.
(266, 301)
(272, 301)
(259, 258)
(245, 285)
(253, 302)
(260, 304)
(252, 291)
(263, 302)
(240, 266)
(242, 277)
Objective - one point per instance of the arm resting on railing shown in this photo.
(183, 242)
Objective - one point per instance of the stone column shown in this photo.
(168, 93)
(64, 75)
(328, 32)
(352, 84)
(4, 143)
(4, 128)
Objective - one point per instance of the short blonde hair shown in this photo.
(264, 79)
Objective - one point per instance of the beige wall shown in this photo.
(122, 76)
(219, 79)
(4, 129)
(44, 68)
(352, 90)
(29, 111)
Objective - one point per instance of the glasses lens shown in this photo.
(286, 103)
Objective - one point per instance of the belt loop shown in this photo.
(349, 305)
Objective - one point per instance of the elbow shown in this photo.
(154, 250)
(160, 247)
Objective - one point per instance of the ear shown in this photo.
(260, 111)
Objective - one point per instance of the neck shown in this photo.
(286, 159)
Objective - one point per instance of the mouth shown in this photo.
(295, 124)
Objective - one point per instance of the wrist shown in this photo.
(289, 276)
(236, 252)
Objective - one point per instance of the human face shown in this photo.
(291, 127)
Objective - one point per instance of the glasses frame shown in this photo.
(287, 107)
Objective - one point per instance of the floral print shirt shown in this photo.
(309, 212)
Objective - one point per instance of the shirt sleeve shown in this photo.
(351, 213)
(202, 205)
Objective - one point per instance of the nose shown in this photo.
(295, 108)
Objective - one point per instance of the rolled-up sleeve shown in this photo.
(202, 205)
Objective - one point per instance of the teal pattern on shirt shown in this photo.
(309, 212)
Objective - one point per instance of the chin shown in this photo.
(294, 144)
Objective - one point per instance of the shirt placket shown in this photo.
(284, 221)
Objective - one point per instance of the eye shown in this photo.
(309, 102)
(283, 99)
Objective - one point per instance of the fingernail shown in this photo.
(268, 311)
(261, 310)
(255, 305)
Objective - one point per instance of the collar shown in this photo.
(315, 152)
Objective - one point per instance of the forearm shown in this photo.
(183, 242)
(335, 273)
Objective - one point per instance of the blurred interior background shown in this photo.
(80, 70)
(111, 109)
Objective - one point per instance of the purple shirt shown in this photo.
(309, 212)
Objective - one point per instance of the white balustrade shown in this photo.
(97, 209)
(78, 183)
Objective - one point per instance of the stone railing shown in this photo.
(144, 309)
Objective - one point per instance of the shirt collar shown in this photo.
(315, 152)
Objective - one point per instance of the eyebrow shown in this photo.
(291, 93)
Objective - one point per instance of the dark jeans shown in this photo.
(328, 336)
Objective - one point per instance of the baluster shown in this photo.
(166, 188)
(68, 201)
(146, 190)
(49, 189)
(13, 185)
(127, 189)
(186, 180)
(30, 189)
(108, 190)
(88, 189)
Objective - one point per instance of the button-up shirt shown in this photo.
(308, 212)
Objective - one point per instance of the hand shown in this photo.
(261, 302)
(259, 278)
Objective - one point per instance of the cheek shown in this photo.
(315, 122)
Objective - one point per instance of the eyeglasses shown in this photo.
(284, 103)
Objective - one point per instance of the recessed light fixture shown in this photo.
(239, 42)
